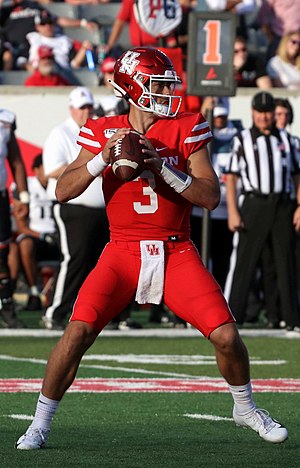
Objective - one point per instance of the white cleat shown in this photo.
(261, 422)
(33, 439)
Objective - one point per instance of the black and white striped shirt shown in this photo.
(264, 163)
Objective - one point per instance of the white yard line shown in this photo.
(24, 417)
(148, 333)
(208, 417)
(145, 359)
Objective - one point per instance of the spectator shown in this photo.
(36, 236)
(81, 223)
(220, 236)
(284, 67)
(283, 114)
(138, 36)
(284, 117)
(265, 212)
(249, 69)
(45, 74)
(10, 151)
(276, 19)
(239, 7)
(65, 54)
(17, 19)
(107, 71)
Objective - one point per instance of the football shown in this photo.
(126, 157)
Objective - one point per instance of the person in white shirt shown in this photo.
(66, 56)
(284, 67)
(81, 223)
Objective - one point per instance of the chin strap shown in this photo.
(119, 92)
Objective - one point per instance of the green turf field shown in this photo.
(149, 429)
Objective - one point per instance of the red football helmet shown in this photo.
(134, 74)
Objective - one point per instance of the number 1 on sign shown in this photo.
(212, 55)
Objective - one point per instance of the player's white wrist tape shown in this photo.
(24, 196)
(178, 180)
(96, 165)
(83, 23)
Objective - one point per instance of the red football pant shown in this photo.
(190, 291)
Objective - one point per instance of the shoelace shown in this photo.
(34, 431)
(266, 419)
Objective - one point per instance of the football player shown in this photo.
(10, 151)
(150, 255)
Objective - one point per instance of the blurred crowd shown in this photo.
(266, 50)
(47, 252)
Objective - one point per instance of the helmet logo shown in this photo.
(129, 62)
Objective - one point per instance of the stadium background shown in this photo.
(39, 110)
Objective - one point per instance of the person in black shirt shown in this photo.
(249, 70)
(262, 218)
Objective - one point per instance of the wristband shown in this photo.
(178, 180)
(96, 165)
(83, 23)
(24, 197)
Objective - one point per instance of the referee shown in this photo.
(262, 217)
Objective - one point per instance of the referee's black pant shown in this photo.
(83, 233)
(267, 220)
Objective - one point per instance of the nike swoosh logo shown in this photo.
(161, 149)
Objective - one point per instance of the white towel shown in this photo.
(151, 279)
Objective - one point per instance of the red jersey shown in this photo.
(138, 36)
(147, 208)
(37, 79)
